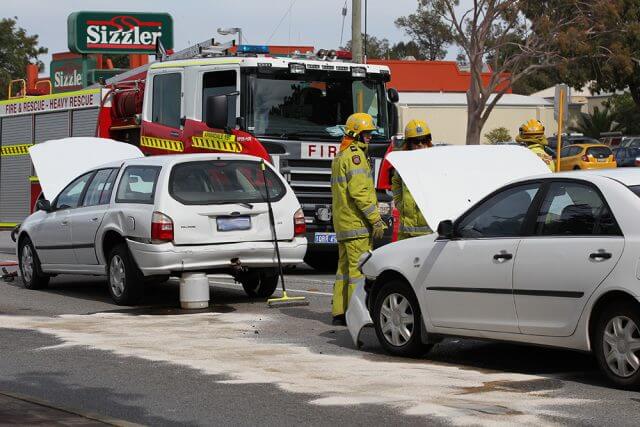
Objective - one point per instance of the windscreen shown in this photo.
(314, 105)
(223, 181)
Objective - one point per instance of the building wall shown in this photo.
(448, 124)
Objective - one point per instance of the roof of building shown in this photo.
(585, 92)
(429, 76)
(431, 98)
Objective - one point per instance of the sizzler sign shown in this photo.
(119, 32)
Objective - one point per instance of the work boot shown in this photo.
(339, 320)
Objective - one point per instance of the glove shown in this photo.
(378, 229)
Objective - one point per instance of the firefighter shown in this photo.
(412, 223)
(356, 219)
(532, 134)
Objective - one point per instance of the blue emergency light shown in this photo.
(250, 48)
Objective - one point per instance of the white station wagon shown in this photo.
(548, 259)
(139, 218)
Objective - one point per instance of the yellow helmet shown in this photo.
(416, 129)
(358, 123)
(532, 128)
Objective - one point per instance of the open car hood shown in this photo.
(446, 181)
(59, 161)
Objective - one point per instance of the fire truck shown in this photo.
(289, 110)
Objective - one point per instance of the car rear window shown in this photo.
(599, 152)
(138, 184)
(223, 181)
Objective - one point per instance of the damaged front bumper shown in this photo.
(358, 314)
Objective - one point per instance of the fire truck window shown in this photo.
(166, 99)
(219, 83)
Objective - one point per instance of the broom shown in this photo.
(285, 300)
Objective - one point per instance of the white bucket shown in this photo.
(194, 291)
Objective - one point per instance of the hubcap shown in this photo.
(620, 344)
(117, 275)
(396, 319)
(27, 263)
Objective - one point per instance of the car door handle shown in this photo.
(64, 223)
(93, 219)
(502, 256)
(600, 256)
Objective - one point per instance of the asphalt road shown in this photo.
(242, 363)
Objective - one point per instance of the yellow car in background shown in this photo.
(586, 156)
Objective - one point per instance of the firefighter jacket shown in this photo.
(412, 222)
(536, 144)
(355, 205)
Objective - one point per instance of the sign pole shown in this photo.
(560, 127)
(85, 70)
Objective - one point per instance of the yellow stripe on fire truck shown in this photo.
(16, 150)
(217, 141)
(162, 144)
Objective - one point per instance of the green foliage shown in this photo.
(382, 49)
(428, 31)
(596, 123)
(496, 135)
(17, 49)
(626, 113)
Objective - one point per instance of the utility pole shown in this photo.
(356, 32)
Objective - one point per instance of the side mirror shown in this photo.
(445, 229)
(43, 205)
(217, 112)
(393, 95)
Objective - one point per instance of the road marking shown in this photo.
(238, 285)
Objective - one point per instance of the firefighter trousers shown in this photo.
(348, 276)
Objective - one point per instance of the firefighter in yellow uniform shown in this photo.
(356, 219)
(412, 223)
(532, 134)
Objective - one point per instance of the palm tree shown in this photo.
(596, 123)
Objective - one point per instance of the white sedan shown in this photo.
(548, 259)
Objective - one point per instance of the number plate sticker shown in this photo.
(233, 223)
(602, 160)
(325, 238)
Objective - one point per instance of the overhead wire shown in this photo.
(281, 20)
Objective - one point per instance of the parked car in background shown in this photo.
(630, 142)
(546, 259)
(571, 140)
(586, 156)
(140, 219)
(627, 156)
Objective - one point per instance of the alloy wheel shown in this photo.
(27, 263)
(117, 275)
(621, 343)
(396, 319)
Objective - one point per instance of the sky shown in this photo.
(276, 22)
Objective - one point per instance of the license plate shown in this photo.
(325, 238)
(602, 160)
(233, 223)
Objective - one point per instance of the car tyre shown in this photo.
(260, 284)
(398, 320)
(29, 264)
(616, 344)
(124, 278)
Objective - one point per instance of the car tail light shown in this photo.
(161, 228)
(299, 226)
(637, 161)
(585, 158)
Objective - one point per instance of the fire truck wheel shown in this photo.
(124, 278)
(260, 284)
(32, 275)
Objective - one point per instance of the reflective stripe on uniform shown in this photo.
(338, 179)
(352, 233)
(15, 150)
(357, 281)
(405, 229)
(352, 172)
(162, 144)
(368, 211)
(341, 277)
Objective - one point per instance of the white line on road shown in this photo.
(291, 290)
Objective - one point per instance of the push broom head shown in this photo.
(287, 301)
